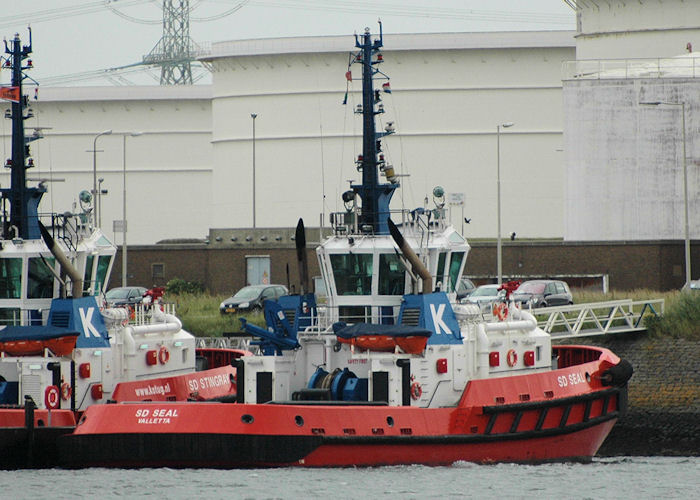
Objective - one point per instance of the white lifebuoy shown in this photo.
(512, 357)
(163, 355)
(500, 310)
(51, 397)
(66, 391)
(416, 391)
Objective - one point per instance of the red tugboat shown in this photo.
(389, 371)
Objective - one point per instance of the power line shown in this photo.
(69, 11)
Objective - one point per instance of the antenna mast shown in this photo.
(24, 201)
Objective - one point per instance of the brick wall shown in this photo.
(221, 268)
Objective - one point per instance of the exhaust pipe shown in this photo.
(76, 278)
(411, 256)
(302, 260)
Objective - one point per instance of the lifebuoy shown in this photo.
(163, 355)
(512, 357)
(51, 397)
(500, 310)
(416, 391)
(66, 391)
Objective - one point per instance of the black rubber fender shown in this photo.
(618, 375)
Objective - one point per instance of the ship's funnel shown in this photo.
(300, 241)
(416, 264)
(71, 271)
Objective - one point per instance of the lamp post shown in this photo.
(94, 171)
(499, 254)
(253, 116)
(685, 183)
(124, 273)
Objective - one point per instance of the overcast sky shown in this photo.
(76, 36)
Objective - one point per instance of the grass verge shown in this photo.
(200, 312)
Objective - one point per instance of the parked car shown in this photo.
(543, 293)
(251, 297)
(485, 296)
(693, 286)
(465, 287)
(125, 295)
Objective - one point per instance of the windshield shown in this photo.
(247, 292)
(117, 293)
(490, 291)
(531, 288)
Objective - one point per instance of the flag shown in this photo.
(348, 76)
(386, 87)
(9, 93)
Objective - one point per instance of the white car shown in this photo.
(485, 296)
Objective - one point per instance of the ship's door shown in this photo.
(257, 269)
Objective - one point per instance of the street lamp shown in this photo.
(94, 170)
(685, 183)
(253, 116)
(132, 134)
(499, 256)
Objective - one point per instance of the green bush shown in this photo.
(680, 319)
(178, 286)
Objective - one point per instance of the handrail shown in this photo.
(606, 69)
(597, 318)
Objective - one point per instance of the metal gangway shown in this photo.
(238, 342)
(597, 318)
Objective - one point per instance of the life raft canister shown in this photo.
(512, 357)
(51, 397)
(163, 355)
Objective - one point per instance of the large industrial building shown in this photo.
(634, 85)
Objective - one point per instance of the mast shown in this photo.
(375, 196)
(24, 202)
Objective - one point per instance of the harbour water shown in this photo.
(613, 478)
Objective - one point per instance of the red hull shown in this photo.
(564, 414)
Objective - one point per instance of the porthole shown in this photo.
(390, 421)
(247, 419)
(588, 377)
(299, 420)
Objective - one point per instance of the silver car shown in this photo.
(485, 296)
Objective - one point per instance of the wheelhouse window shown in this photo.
(40, 278)
(455, 264)
(352, 273)
(392, 276)
(87, 280)
(439, 276)
(102, 268)
(10, 278)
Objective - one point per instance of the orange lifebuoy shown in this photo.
(163, 355)
(500, 310)
(512, 357)
(66, 391)
(51, 397)
(416, 391)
